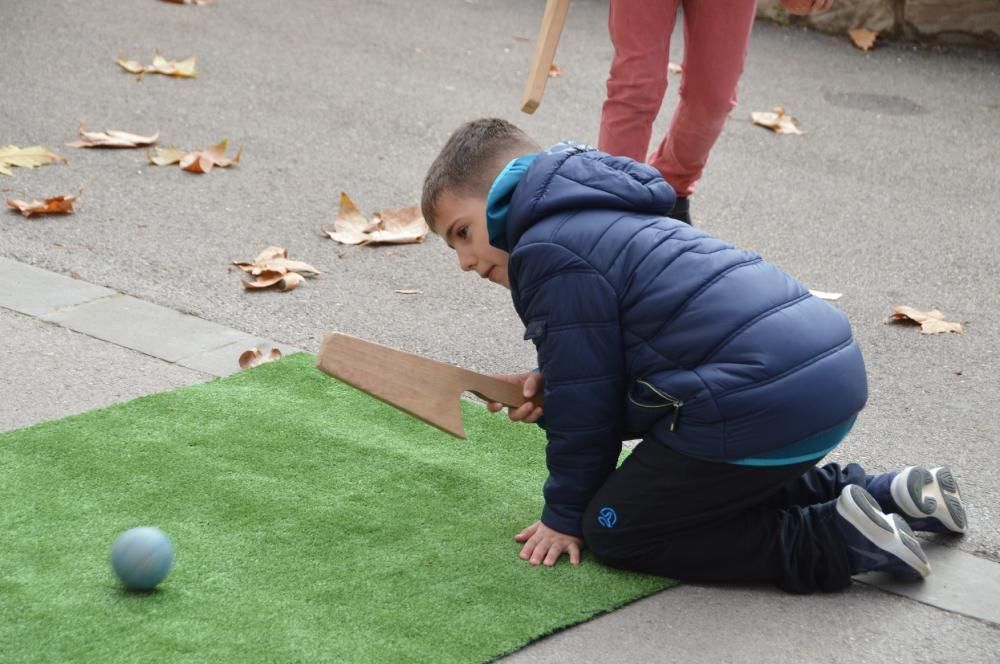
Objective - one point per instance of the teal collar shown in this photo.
(498, 200)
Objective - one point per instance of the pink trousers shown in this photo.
(716, 34)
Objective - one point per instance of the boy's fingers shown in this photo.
(521, 412)
(526, 533)
(574, 554)
(531, 384)
(494, 406)
(536, 415)
(553, 556)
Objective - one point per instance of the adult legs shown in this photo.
(716, 35)
(640, 33)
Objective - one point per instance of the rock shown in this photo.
(967, 22)
(974, 22)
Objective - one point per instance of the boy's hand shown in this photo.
(544, 545)
(805, 7)
(527, 412)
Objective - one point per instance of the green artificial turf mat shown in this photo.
(311, 523)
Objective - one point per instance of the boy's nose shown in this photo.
(466, 262)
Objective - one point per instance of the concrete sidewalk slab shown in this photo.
(50, 372)
(36, 292)
(959, 582)
(145, 327)
(759, 625)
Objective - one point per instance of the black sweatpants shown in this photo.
(668, 514)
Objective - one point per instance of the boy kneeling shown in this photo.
(738, 380)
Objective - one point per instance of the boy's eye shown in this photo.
(463, 232)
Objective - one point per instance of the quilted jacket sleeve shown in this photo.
(571, 314)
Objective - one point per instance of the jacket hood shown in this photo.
(570, 177)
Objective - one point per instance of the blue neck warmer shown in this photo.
(498, 200)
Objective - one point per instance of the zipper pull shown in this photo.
(677, 411)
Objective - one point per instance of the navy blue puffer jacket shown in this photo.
(646, 327)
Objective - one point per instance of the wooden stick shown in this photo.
(545, 52)
(424, 388)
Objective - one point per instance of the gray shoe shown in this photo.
(877, 541)
(929, 499)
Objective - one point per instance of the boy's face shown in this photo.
(461, 221)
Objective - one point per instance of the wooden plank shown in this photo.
(425, 388)
(545, 52)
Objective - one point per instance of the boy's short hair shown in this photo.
(471, 159)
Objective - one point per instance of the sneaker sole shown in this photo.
(930, 494)
(886, 531)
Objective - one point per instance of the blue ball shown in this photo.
(142, 557)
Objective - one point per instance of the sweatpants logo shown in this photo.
(607, 517)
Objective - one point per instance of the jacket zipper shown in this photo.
(672, 401)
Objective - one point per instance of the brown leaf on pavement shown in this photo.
(264, 280)
(406, 291)
(777, 121)
(190, 2)
(112, 138)
(165, 156)
(863, 38)
(931, 322)
(394, 226)
(402, 226)
(55, 205)
(291, 281)
(272, 267)
(195, 161)
(253, 357)
(350, 226)
(36, 155)
(180, 69)
(555, 71)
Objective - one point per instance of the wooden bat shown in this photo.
(419, 386)
(545, 52)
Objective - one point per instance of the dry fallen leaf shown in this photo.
(555, 71)
(181, 69)
(675, 68)
(273, 268)
(863, 38)
(36, 155)
(931, 322)
(190, 2)
(350, 226)
(55, 205)
(253, 357)
(407, 291)
(196, 161)
(112, 138)
(291, 281)
(777, 121)
(402, 226)
(166, 156)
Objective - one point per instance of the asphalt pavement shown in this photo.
(891, 197)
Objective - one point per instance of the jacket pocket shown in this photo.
(650, 404)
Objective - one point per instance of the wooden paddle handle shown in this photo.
(495, 389)
(545, 52)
